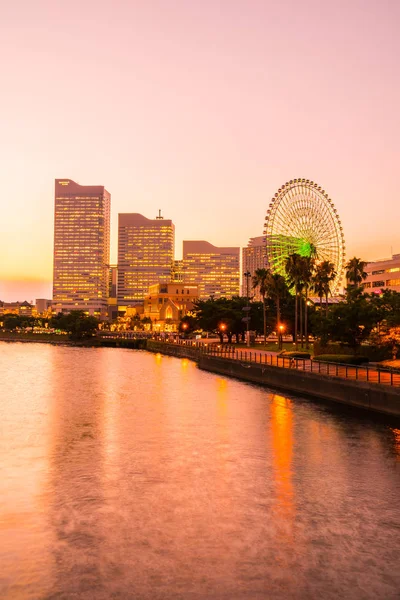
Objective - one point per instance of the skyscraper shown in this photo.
(253, 258)
(145, 255)
(81, 247)
(216, 270)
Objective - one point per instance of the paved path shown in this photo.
(361, 373)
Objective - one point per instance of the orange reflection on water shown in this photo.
(396, 442)
(282, 446)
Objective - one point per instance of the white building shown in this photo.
(383, 274)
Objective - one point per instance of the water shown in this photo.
(131, 475)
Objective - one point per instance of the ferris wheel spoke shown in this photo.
(300, 216)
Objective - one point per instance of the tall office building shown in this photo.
(145, 255)
(215, 270)
(253, 258)
(81, 247)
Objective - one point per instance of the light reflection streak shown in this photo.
(282, 445)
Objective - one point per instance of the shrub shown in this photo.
(345, 359)
(373, 352)
(294, 354)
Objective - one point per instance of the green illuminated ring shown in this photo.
(302, 218)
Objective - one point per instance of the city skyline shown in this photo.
(178, 254)
(263, 93)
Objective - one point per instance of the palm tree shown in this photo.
(330, 276)
(355, 273)
(318, 282)
(323, 276)
(308, 264)
(260, 279)
(276, 288)
(293, 268)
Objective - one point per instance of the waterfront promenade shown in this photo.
(371, 374)
(367, 388)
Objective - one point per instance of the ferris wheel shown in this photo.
(302, 219)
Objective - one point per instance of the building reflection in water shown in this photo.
(25, 559)
(158, 480)
(76, 454)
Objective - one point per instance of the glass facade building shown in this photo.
(81, 248)
(215, 270)
(145, 255)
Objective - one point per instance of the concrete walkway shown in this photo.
(360, 373)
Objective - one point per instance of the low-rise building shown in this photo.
(22, 309)
(166, 304)
(383, 274)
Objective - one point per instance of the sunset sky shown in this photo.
(201, 108)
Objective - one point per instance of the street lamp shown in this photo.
(247, 274)
(222, 328)
(281, 330)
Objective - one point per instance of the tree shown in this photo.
(223, 316)
(11, 322)
(388, 306)
(355, 273)
(308, 263)
(352, 320)
(78, 325)
(187, 324)
(294, 272)
(277, 289)
(324, 275)
(261, 281)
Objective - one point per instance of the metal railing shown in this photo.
(354, 372)
(346, 371)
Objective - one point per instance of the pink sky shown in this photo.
(201, 108)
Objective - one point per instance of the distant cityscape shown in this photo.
(148, 281)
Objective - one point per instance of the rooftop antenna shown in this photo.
(159, 215)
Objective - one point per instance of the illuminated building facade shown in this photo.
(43, 306)
(177, 271)
(112, 292)
(383, 274)
(145, 255)
(253, 258)
(166, 304)
(112, 281)
(81, 247)
(216, 270)
(22, 309)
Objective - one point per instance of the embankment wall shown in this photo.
(374, 397)
(180, 351)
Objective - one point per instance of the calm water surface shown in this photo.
(129, 475)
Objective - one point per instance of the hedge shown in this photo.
(374, 353)
(345, 359)
(294, 354)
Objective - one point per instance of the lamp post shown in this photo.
(247, 308)
(184, 328)
(281, 330)
(222, 328)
